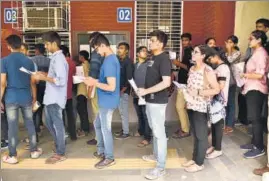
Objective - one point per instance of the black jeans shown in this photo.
(82, 109)
(143, 124)
(37, 116)
(217, 132)
(198, 123)
(255, 100)
(4, 126)
(71, 125)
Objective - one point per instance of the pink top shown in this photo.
(258, 63)
(196, 81)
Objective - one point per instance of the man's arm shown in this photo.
(3, 84)
(165, 83)
(110, 86)
(33, 88)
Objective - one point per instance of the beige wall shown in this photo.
(246, 14)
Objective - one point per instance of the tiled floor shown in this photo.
(79, 166)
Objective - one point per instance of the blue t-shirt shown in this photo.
(18, 88)
(110, 68)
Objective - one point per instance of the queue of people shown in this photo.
(206, 72)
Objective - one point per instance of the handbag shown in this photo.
(215, 107)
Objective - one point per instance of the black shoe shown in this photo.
(118, 133)
(99, 156)
(4, 145)
(104, 163)
(122, 137)
(92, 142)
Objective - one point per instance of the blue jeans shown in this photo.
(230, 109)
(12, 111)
(104, 137)
(55, 125)
(124, 112)
(156, 118)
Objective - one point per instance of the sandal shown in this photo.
(143, 143)
(55, 159)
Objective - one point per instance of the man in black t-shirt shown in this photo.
(184, 67)
(158, 79)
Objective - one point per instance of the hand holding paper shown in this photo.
(141, 99)
(180, 86)
(26, 71)
(78, 79)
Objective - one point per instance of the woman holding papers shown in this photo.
(201, 86)
(256, 90)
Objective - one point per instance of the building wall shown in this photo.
(246, 15)
(6, 29)
(98, 16)
(209, 19)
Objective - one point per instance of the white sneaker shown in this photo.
(188, 163)
(149, 158)
(194, 168)
(155, 174)
(36, 154)
(10, 160)
(214, 154)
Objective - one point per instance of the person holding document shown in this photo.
(140, 78)
(158, 79)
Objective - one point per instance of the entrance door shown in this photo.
(114, 39)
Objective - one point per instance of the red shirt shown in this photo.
(71, 72)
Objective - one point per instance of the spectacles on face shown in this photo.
(195, 52)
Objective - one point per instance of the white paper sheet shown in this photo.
(238, 70)
(78, 79)
(93, 92)
(141, 99)
(79, 71)
(180, 86)
(26, 71)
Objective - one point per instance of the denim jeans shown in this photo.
(12, 111)
(55, 125)
(156, 118)
(124, 112)
(104, 137)
(230, 109)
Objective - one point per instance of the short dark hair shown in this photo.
(100, 39)
(14, 41)
(84, 54)
(40, 47)
(51, 37)
(65, 50)
(263, 21)
(140, 48)
(186, 35)
(217, 51)
(208, 39)
(125, 44)
(93, 34)
(25, 46)
(260, 34)
(161, 36)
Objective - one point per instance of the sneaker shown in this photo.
(104, 163)
(254, 153)
(122, 137)
(36, 154)
(214, 154)
(210, 150)
(155, 174)
(149, 158)
(92, 142)
(118, 133)
(99, 156)
(10, 159)
(4, 145)
(188, 163)
(246, 147)
(194, 168)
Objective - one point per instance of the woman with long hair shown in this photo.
(201, 86)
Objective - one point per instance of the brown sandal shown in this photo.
(55, 159)
(143, 143)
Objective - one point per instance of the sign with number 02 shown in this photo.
(10, 15)
(124, 15)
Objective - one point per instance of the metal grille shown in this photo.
(165, 16)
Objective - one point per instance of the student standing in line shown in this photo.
(158, 79)
(55, 94)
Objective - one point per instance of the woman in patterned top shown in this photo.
(201, 86)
